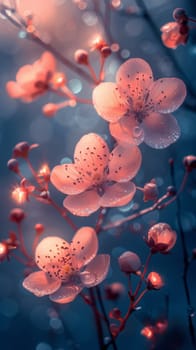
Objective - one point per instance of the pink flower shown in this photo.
(174, 34)
(32, 80)
(139, 108)
(97, 178)
(67, 268)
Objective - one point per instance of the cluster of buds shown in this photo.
(150, 331)
(176, 33)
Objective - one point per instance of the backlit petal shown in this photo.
(118, 194)
(134, 77)
(160, 130)
(91, 157)
(127, 130)
(53, 256)
(167, 94)
(84, 246)
(14, 90)
(66, 294)
(124, 163)
(108, 103)
(96, 271)
(40, 284)
(67, 179)
(83, 204)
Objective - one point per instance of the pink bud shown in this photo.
(12, 165)
(81, 57)
(179, 14)
(129, 262)
(150, 191)
(106, 51)
(154, 281)
(161, 238)
(114, 290)
(3, 251)
(190, 162)
(115, 313)
(39, 228)
(147, 332)
(50, 109)
(17, 215)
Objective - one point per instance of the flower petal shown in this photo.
(134, 77)
(40, 284)
(124, 163)
(53, 256)
(67, 179)
(96, 271)
(127, 130)
(66, 294)
(167, 94)
(160, 130)
(14, 90)
(48, 62)
(84, 246)
(118, 194)
(83, 204)
(108, 102)
(91, 157)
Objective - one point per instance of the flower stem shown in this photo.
(102, 346)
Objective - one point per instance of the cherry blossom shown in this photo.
(33, 80)
(174, 34)
(139, 108)
(65, 269)
(97, 178)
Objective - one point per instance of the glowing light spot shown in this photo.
(44, 170)
(147, 332)
(75, 85)
(19, 194)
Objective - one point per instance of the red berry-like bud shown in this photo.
(17, 215)
(189, 162)
(154, 281)
(3, 251)
(179, 14)
(21, 150)
(39, 228)
(81, 57)
(114, 290)
(106, 51)
(161, 238)
(115, 313)
(12, 165)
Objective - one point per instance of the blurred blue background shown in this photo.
(31, 323)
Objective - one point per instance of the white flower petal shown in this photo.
(40, 284)
(96, 271)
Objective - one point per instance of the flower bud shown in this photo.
(17, 215)
(147, 332)
(129, 262)
(115, 313)
(114, 290)
(106, 51)
(161, 238)
(150, 191)
(189, 162)
(39, 229)
(21, 149)
(154, 281)
(3, 251)
(179, 14)
(50, 109)
(12, 165)
(81, 57)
